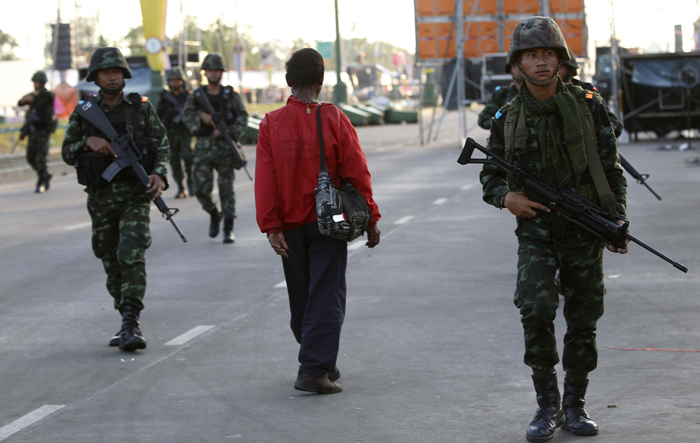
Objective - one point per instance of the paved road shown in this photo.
(432, 345)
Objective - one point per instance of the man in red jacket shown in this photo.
(287, 168)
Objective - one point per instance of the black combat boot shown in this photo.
(228, 230)
(576, 418)
(114, 341)
(40, 186)
(190, 187)
(181, 191)
(215, 223)
(131, 338)
(47, 181)
(549, 414)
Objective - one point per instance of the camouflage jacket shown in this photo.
(496, 183)
(499, 98)
(167, 111)
(616, 124)
(234, 112)
(149, 126)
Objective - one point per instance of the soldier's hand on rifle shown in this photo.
(29, 98)
(521, 206)
(98, 144)
(206, 119)
(217, 133)
(612, 248)
(155, 184)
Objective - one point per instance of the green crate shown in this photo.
(376, 117)
(394, 116)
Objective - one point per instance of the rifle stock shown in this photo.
(223, 129)
(564, 203)
(127, 153)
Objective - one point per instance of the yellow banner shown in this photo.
(153, 12)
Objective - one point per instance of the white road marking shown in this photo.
(440, 201)
(78, 226)
(282, 284)
(28, 419)
(466, 187)
(405, 219)
(189, 335)
(357, 244)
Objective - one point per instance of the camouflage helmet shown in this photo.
(106, 58)
(40, 76)
(175, 74)
(537, 32)
(213, 61)
(571, 63)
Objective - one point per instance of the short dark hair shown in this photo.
(305, 67)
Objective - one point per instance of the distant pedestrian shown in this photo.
(38, 126)
(287, 168)
(563, 132)
(211, 150)
(170, 108)
(120, 210)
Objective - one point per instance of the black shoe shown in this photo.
(131, 338)
(114, 341)
(40, 186)
(549, 415)
(181, 191)
(308, 383)
(214, 223)
(47, 182)
(576, 418)
(228, 231)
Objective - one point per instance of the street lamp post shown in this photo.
(340, 91)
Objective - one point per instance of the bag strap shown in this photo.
(606, 196)
(320, 139)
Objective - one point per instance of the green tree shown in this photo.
(7, 46)
(135, 41)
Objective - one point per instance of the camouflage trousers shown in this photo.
(37, 150)
(180, 152)
(536, 295)
(210, 156)
(120, 237)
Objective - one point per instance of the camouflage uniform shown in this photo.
(179, 136)
(499, 98)
(38, 140)
(120, 211)
(579, 257)
(211, 154)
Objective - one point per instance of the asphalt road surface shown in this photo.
(432, 345)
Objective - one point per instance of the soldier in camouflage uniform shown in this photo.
(120, 210)
(557, 118)
(41, 124)
(170, 108)
(568, 71)
(501, 97)
(210, 150)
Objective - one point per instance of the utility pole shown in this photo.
(340, 91)
(614, 57)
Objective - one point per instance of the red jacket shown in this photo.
(288, 163)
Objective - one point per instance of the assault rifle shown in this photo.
(641, 178)
(29, 121)
(220, 124)
(173, 101)
(566, 204)
(128, 155)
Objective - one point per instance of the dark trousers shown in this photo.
(315, 274)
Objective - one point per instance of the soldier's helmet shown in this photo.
(213, 61)
(537, 32)
(571, 63)
(40, 76)
(175, 74)
(106, 58)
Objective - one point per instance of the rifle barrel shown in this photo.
(657, 253)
